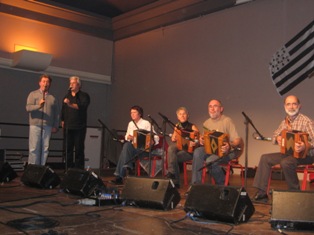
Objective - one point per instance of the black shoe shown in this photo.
(261, 197)
(117, 181)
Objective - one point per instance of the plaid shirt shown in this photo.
(300, 123)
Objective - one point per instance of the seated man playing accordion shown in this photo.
(295, 151)
(130, 152)
(231, 147)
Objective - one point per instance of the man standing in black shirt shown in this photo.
(73, 121)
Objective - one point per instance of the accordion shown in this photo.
(213, 140)
(141, 140)
(185, 140)
(289, 138)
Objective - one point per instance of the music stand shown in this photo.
(114, 138)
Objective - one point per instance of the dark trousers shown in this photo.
(75, 147)
(288, 165)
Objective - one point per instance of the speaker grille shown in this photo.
(292, 210)
(81, 182)
(150, 193)
(214, 202)
(40, 177)
(6, 172)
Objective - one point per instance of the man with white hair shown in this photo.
(74, 122)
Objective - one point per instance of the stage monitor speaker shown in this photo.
(292, 210)
(40, 177)
(6, 172)
(151, 193)
(220, 203)
(81, 182)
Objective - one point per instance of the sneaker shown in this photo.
(117, 181)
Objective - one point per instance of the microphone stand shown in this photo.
(114, 137)
(150, 149)
(42, 130)
(163, 134)
(167, 120)
(164, 124)
(102, 152)
(164, 153)
(66, 130)
(247, 122)
(250, 121)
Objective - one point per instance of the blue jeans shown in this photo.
(39, 138)
(127, 158)
(215, 170)
(175, 157)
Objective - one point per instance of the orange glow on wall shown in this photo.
(22, 32)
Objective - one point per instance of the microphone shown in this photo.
(121, 141)
(263, 138)
(70, 89)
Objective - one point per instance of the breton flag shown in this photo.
(294, 62)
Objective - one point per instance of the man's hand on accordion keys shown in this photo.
(225, 148)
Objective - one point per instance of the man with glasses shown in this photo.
(230, 149)
(294, 121)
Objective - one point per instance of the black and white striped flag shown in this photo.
(294, 62)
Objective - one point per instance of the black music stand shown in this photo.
(102, 149)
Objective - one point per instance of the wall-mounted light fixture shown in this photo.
(18, 47)
(31, 60)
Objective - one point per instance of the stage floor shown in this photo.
(30, 210)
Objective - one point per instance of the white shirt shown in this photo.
(143, 125)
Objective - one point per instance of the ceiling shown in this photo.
(108, 8)
(114, 19)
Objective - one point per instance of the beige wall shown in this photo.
(223, 55)
(70, 49)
